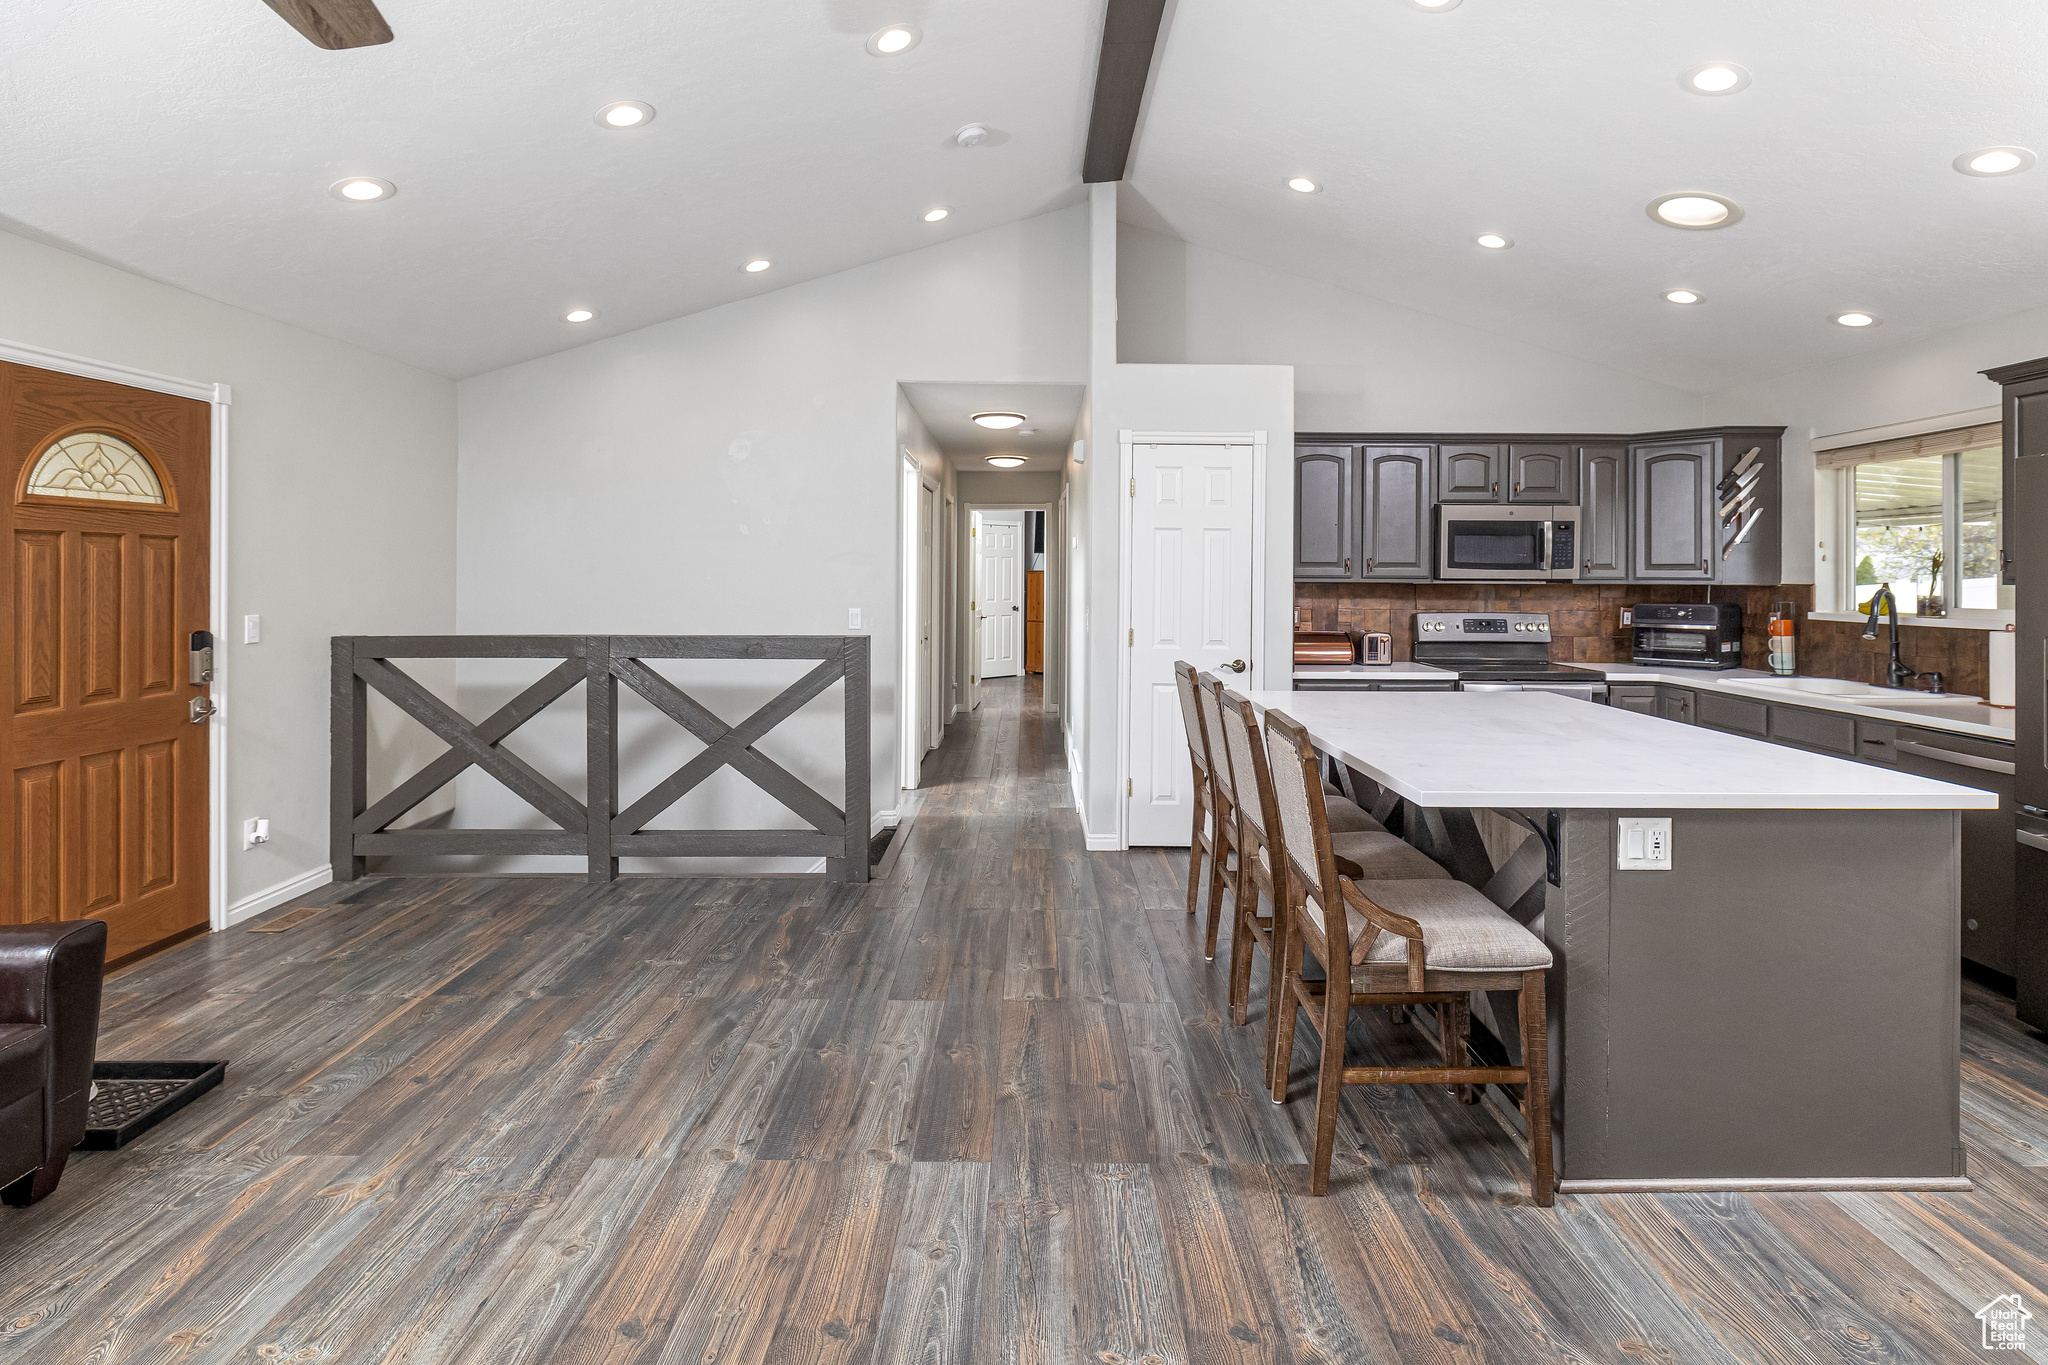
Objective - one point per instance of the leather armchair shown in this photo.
(49, 1032)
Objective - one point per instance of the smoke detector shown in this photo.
(973, 135)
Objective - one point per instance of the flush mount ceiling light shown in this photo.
(579, 315)
(1856, 319)
(934, 215)
(999, 421)
(1715, 78)
(1493, 241)
(1995, 161)
(755, 267)
(1434, 6)
(625, 114)
(1694, 210)
(887, 42)
(970, 134)
(1301, 184)
(1681, 296)
(1006, 461)
(362, 189)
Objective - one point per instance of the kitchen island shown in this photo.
(1778, 1008)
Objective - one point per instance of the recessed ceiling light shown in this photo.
(1695, 210)
(1681, 296)
(1856, 319)
(887, 42)
(934, 215)
(1437, 6)
(1994, 161)
(579, 315)
(999, 421)
(1006, 461)
(362, 189)
(1493, 241)
(625, 114)
(755, 267)
(1715, 78)
(1301, 184)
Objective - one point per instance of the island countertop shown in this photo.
(1507, 750)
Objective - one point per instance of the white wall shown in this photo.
(736, 471)
(1931, 377)
(341, 519)
(1360, 363)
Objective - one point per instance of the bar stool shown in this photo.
(1361, 854)
(1200, 840)
(1405, 942)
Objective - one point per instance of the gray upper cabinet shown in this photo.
(1469, 473)
(1542, 474)
(1603, 513)
(1396, 511)
(1325, 512)
(1671, 531)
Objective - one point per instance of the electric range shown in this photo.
(1501, 652)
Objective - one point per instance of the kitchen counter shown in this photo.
(1407, 670)
(1777, 1007)
(1514, 749)
(1896, 706)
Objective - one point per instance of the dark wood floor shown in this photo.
(988, 1110)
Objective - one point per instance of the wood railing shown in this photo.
(597, 830)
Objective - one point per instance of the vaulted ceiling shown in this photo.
(194, 141)
(1556, 123)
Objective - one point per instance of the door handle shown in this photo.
(203, 709)
(1235, 665)
(1016, 608)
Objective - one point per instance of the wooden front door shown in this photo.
(104, 796)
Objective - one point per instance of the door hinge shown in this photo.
(1131, 638)
(1134, 488)
(1127, 788)
(973, 531)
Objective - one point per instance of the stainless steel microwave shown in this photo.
(1506, 544)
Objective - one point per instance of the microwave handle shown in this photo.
(1549, 529)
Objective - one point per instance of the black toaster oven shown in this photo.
(1688, 634)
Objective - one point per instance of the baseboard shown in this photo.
(271, 897)
(884, 819)
(1095, 843)
(1770, 1185)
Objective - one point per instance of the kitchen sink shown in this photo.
(1833, 687)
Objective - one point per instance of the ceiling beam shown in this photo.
(1130, 29)
(335, 24)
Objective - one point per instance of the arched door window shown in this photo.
(92, 464)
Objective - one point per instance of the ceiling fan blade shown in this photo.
(335, 24)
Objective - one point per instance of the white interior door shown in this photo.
(929, 724)
(1192, 579)
(999, 594)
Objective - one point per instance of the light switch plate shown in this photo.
(853, 618)
(252, 630)
(1643, 844)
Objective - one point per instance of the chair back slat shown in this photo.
(1209, 691)
(1305, 826)
(1191, 713)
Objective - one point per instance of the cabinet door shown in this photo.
(1396, 512)
(1625, 697)
(1673, 522)
(1675, 703)
(1990, 924)
(1468, 473)
(1325, 519)
(1603, 512)
(1543, 474)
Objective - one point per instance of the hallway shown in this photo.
(988, 1109)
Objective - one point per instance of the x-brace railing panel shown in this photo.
(597, 829)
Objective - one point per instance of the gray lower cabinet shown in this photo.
(1603, 513)
(1325, 512)
(1676, 703)
(1640, 698)
(1468, 473)
(1350, 685)
(1671, 530)
(1395, 512)
(1543, 474)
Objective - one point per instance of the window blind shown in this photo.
(1910, 447)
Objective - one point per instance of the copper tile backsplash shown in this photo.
(1585, 623)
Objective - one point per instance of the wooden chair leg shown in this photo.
(1219, 852)
(1329, 1081)
(1245, 903)
(1454, 1026)
(1195, 847)
(1536, 1095)
(1281, 1012)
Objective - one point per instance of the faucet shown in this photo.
(1898, 674)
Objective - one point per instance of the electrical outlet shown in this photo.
(853, 618)
(252, 630)
(1643, 844)
(255, 832)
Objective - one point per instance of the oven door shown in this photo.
(1483, 543)
(1688, 646)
